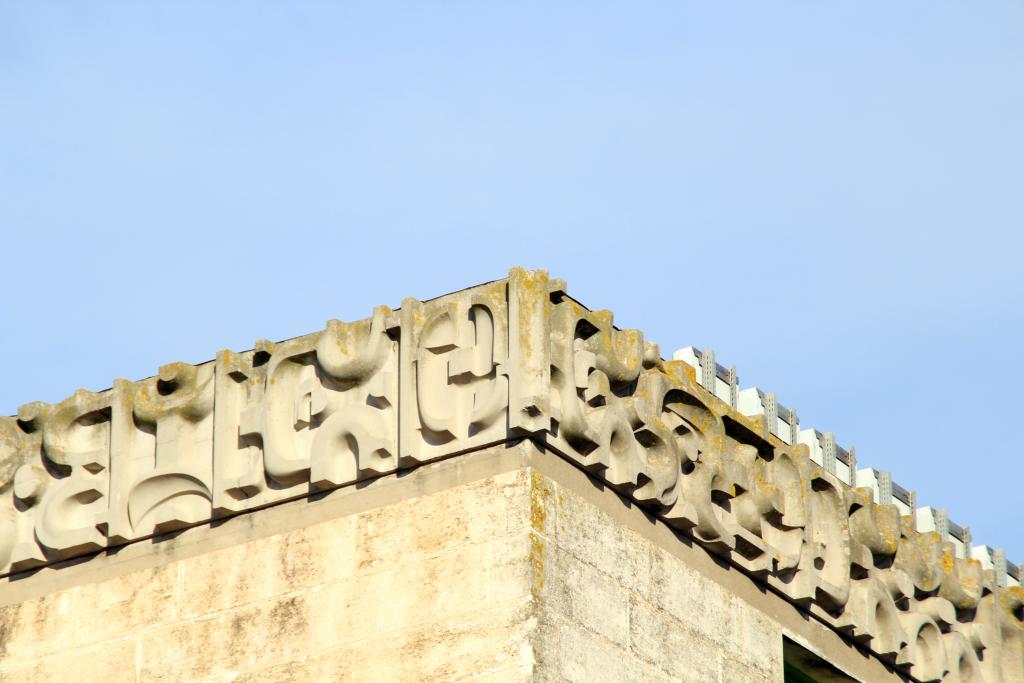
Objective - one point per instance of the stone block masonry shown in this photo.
(504, 564)
(429, 588)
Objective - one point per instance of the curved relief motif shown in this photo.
(281, 416)
(962, 662)
(167, 500)
(456, 352)
(23, 482)
(171, 483)
(356, 435)
(323, 410)
(238, 472)
(591, 362)
(871, 617)
(828, 539)
(659, 424)
(455, 388)
(75, 440)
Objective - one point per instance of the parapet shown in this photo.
(783, 423)
(507, 361)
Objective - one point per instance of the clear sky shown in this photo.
(830, 195)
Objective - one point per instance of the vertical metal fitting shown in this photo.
(771, 412)
(734, 387)
(942, 523)
(828, 454)
(999, 565)
(708, 370)
(885, 490)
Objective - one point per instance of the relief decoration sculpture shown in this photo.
(511, 359)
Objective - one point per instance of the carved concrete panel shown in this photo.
(165, 483)
(516, 358)
(454, 374)
(310, 413)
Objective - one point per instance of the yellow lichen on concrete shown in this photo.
(539, 494)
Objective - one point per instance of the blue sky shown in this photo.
(827, 194)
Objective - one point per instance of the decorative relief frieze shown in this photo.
(510, 359)
(165, 483)
(454, 376)
(68, 466)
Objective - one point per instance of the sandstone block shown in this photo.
(112, 662)
(676, 647)
(435, 524)
(311, 556)
(220, 646)
(416, 592)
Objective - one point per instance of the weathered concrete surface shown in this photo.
(343, 408)
(432, 588)
(621, 596)
(613, 606)
(503, 564)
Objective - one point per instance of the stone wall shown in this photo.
(620, 596)
(503, 564)
(432, 588)
(613, 606)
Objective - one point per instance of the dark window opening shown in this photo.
(800, 665)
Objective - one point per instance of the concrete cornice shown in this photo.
(506, 360)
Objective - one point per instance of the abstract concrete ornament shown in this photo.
(509, 360)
